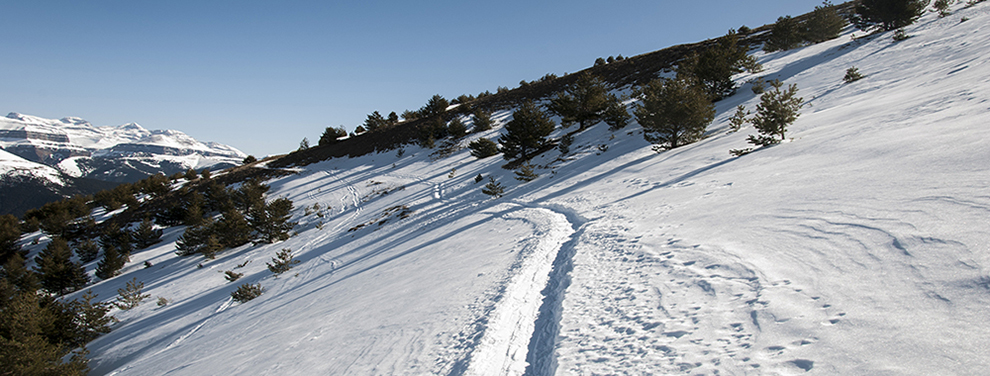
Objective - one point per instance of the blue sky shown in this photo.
(261, 75)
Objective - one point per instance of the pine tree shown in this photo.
(888, 15)
(87, 250)
(585, 102)
(330, 135)
(92, 317)
(942, 6)
(18, 276)
(282, 262)
(714, 66)
(493, 188)
(247, 292)
(146, 234)
(191, 175)
(435, 108)
(823, 24)
(784, 35)
(250, 196)
(194, 238)
(194, 210)
(271, 222)
(375, 121)
(111, 263)
(483, 148)
(777, 110)
(616, 115)
(526, 173)
(113, 236)
(10, 235)
(232, 229)
(456, 128)
(58, 274)
(482, 120)
(24, 348)
(527, 131)
(673, 112)
(130, 296)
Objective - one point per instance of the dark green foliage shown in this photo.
(205, 173)
(113, 236)
(271, 223)
(194, 209)
(738, 119)
(92, 317)
(900, 35)
(784, 35)
(232, 229)
(130, 296)
(375, 121)
(304, 144)
(852, 75)
(942, 6)
(249, 159)
(194, 239)
(527, 131)
(888, 15)
(217, 197)
(10, 235)
(87, 250)
(673, 112)
(117, 197)
(247, 292)
(156, 185)
(493, 188)
(482, 120)
(31, 341)
(18, 276)
(111, 263)
(483, 148)
(436, 107)
(331, 134)
(282, 262)
(59, 219)
(599, 62)
(58, 274)
(823, 24)
(714, 66)
(526, 173)
(146, 234)
(191, 175)
(585, 102)
(777, 110)
(250, 196)
(478, 179)
(456, 128)
(408, 115)
(615, 114)
(393, 119)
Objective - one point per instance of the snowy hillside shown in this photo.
(857, 247)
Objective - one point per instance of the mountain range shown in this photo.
(47, 159)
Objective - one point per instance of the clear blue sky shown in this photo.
(261, 75)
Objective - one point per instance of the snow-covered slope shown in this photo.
(123, 153)
(859, 246)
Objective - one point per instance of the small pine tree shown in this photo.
(493, 188)
(784, 35)
(942, 6)
(565, 143)
(191, 175)
(527, 131)
(87, 250)
(331, 134)
(194, 239)
(10, 235)
(271, 223)
(456, 128)
(738, 119)
(852, 75)
(111, 263)
(888, 15)
(282, 262)
(673, 112)
(247, 292)
(212, 247)
(585, 102)
(526, 173)
(233, 230)
(482, 120)
(615, 114)
(58, 274)
(92, 317)
(824, 24)
(18, 276)
(713, 68)
(478, 179)
(249, 160)
(130, 296)
(777, 110)
(483, 148)
(146, 234)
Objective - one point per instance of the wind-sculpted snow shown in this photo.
(857, 246)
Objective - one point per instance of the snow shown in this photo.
(859, 246)
(12, 166)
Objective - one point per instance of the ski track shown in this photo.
(503, 347)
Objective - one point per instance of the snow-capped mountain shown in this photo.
(120, 154)
(858, 246)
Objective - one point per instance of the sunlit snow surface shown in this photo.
(857, 247)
